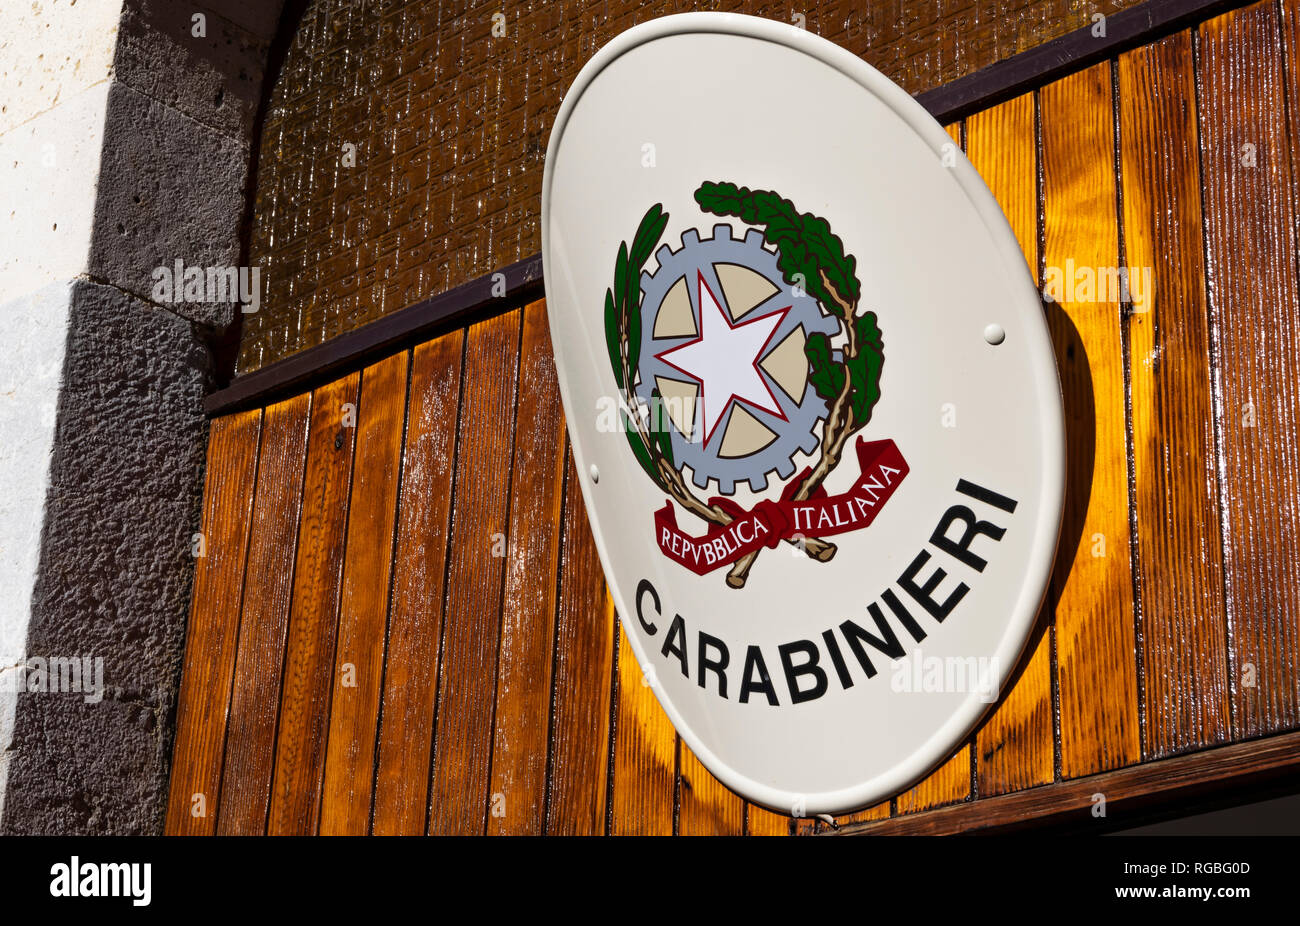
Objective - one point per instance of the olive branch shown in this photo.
(811, 256)
(649, 436)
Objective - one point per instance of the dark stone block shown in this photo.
(115, 569)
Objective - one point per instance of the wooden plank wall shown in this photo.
(400, 625)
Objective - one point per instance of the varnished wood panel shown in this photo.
(414, 632)
(1014, 747)
(762, 822)
(707, 807)
(1290, 30)
(955, 131)
(214, 625)
(1001, 143)
(1093, 581)
(520, 748)
(880, 811)
(947, 784)
(645, 754)
(459, 797)
(1251, 250)
(363, 610)
(313, 617)
(1179, 554)
(255, 694)
(584, 654)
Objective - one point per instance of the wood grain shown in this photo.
(1168, 786)
(523, 706)
(762, 822)
(1093, 581)
(1179, 553)
(1250, 233)
(313, 617)
(1002, 144)
(879, 811)
(459, 794)
(1289, 11)
(212, 636)
(947, 784)
(707, 807)
(419, 569)
(363, 610)
(645, 754)
(954, 130)
(268, 594)
(1014, 747)
(584, 654)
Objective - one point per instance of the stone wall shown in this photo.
(125, 139)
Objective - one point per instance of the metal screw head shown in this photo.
(595, 474)
(994, 333)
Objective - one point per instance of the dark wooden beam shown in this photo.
(1074, 51)
(487, 295)
(1133, 794)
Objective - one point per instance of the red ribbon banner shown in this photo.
(881, 468)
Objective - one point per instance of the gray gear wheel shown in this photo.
(795, 433)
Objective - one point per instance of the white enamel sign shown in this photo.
(812, 400)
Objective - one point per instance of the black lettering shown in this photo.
(887, 642)
(792, 672)
(675, 643)
(960, 549)
(837, 658)
(642, 589)
(754, 662)
(924, 593)
(987, 496)
(718, 665)
(904, 616)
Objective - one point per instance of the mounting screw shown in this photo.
(595, 474)
(994, 334)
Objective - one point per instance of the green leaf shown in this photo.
(633, 302)
(867, 331)
(827, 376)
(864, 369)
(620, 276)
(623, 317)
(638, 448)
(648, 234)
(612, 339)
(807, 248)
(665, 445)
(659, 427)
(623, 301)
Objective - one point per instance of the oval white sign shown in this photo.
(812, 398)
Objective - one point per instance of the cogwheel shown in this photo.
(748, 443)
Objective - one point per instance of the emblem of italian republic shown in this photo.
(737, 354)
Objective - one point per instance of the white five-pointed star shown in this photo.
(723, 358)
